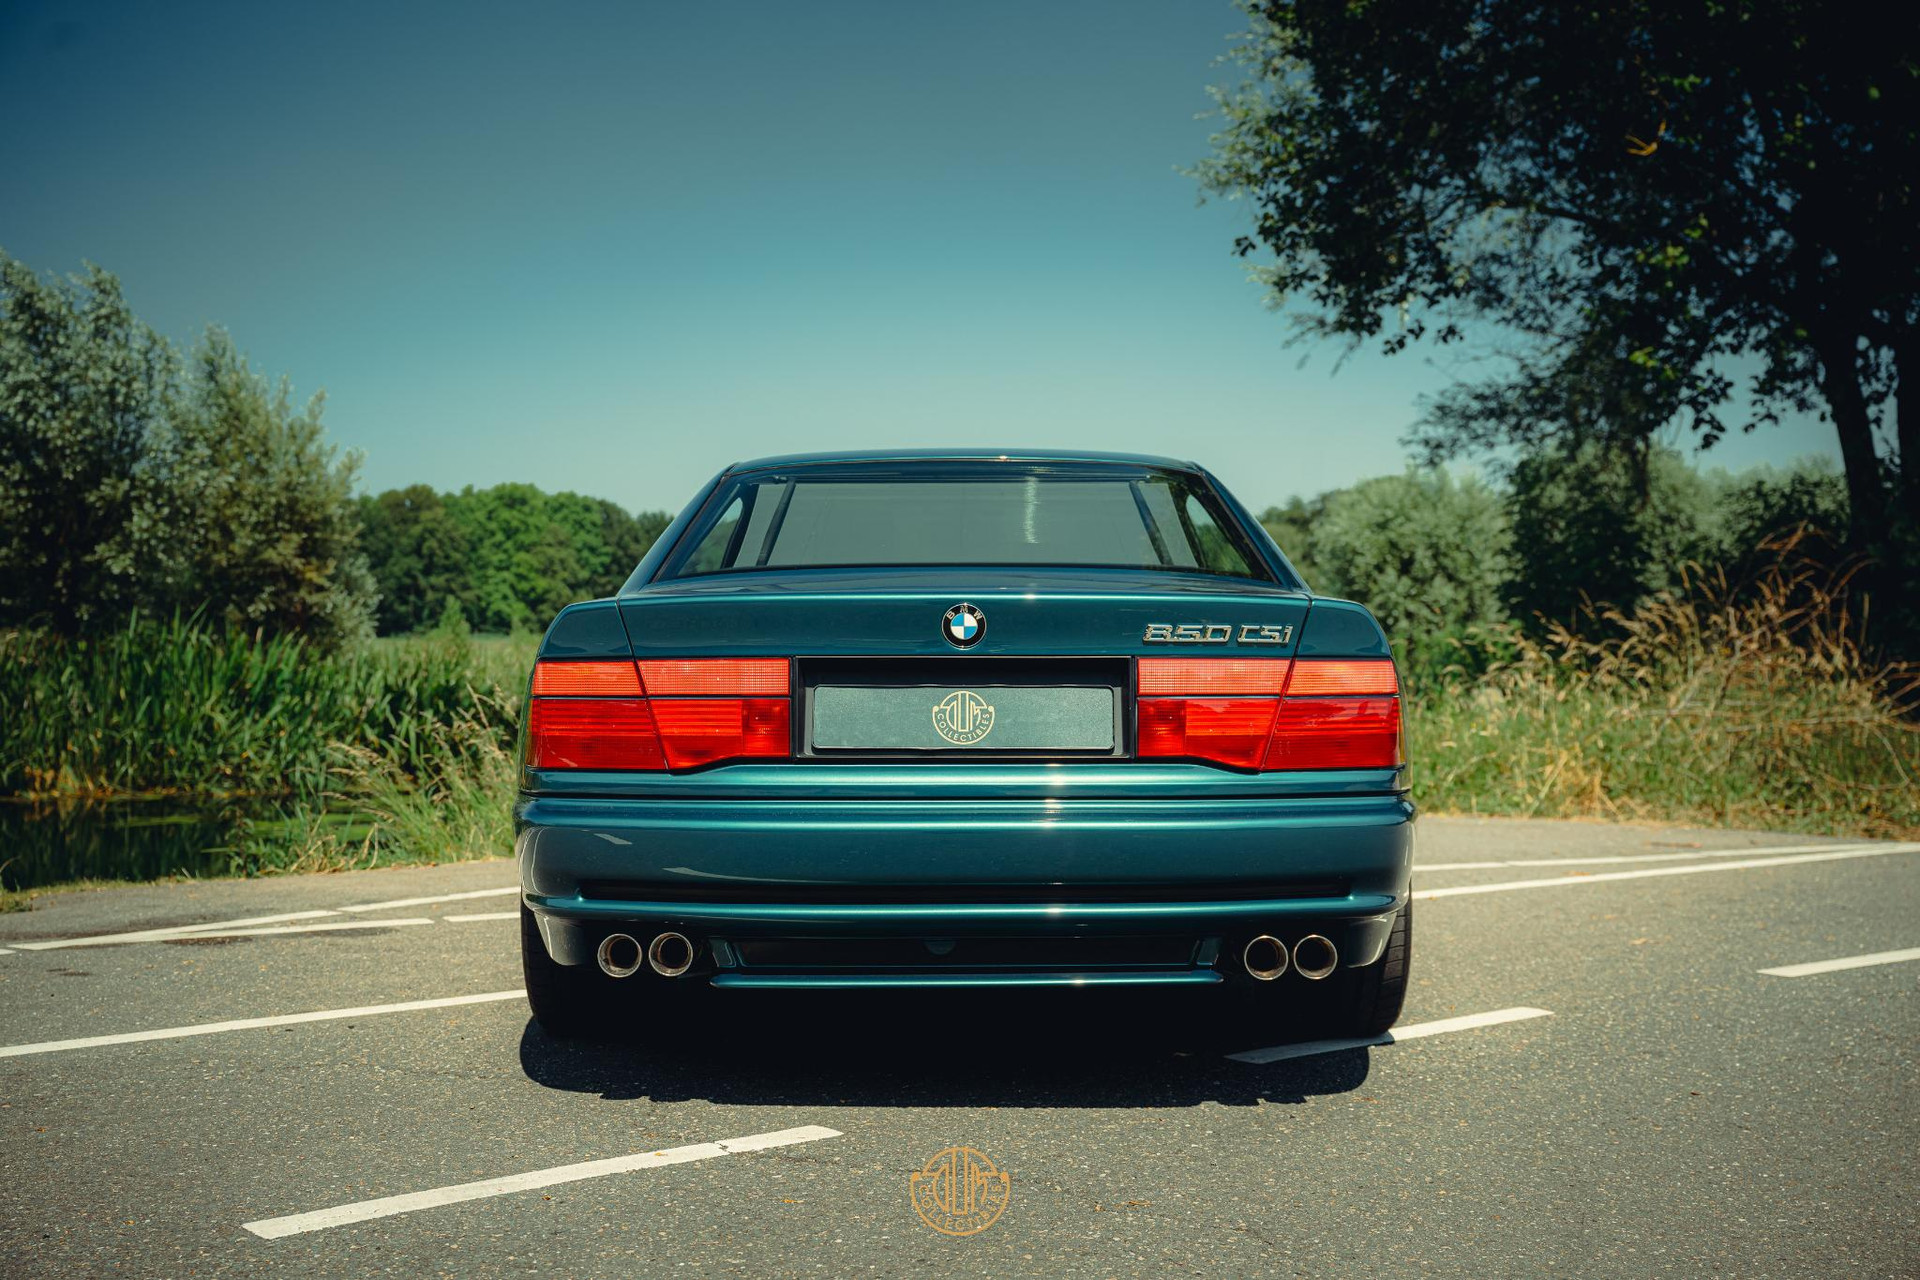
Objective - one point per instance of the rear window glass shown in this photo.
(1057, 516)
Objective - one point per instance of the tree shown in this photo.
(1631, 198)
(421, 557)
(1427, 553)
(85, 391)
(1587, 530)
(128, 483)
(270, 502)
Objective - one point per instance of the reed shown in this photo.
(1747, 704)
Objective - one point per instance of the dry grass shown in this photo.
(1750, 704)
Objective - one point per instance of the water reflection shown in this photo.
(42, 844)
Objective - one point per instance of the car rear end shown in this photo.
(980, 722)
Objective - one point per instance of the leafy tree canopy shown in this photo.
(1627, 196)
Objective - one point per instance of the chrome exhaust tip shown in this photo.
(670, 954)
(619, 955)
(1265, 958)
(1314, 957)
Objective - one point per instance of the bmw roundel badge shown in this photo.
(963, 626)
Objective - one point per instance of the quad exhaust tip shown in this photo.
(1315, 957)
(669, 954)
(619, 955)
(1265, 958)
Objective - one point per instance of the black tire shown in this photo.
(568, 1000)
(1376, 994)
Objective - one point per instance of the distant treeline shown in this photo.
(1438, 556)
(500, 559)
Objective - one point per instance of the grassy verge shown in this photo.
(1753, 708)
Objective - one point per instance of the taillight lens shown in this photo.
(697, 731)
(1336, 713)
(593, 715)
(1231, 731)
(1336, 733)
(592, 733)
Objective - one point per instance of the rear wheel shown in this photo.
(568, 1000)
(1375, 994)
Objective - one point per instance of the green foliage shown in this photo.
(1424, 551)
(86, 393)
(510, 556)
(1746, 705)
(128, 483)
(1626, 199)
(183, 708)
(279, 549)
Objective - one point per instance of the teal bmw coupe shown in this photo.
(965, 719)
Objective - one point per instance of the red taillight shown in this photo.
(711, 677)
(1336, 733)
(1213, 677)
(590, 715)
(1230, 731)
(592, 733)
(701, 730)
(1320, 723)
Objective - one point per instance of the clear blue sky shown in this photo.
(611, 248)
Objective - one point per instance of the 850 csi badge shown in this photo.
(1216, 633)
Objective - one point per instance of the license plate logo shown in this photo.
(962, 717)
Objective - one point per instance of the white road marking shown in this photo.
(1638, 857)
(484, 915)
(251, 1024)
(439, 897)
(155, 935)
(1847, 962)
(1413, 1031)
(230, 926)
(387, 1206)
(1750, 864)
(329, 927)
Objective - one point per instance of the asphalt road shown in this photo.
(1652, 1105)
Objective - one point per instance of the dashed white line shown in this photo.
(483, 915)
(174, 931)
(1637, 857)
(1845, 962)
(387, 1206)
(439, 897)
(252, 1024)
(1750, 864)
(1412, 1031)
(331, 926)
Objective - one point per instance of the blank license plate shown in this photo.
(950, 718)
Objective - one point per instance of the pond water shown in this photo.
(118, 840)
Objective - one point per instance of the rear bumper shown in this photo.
(1189, 879)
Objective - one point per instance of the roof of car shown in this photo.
(961, 455)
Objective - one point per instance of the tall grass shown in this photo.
(176, 707)
(1751, 704)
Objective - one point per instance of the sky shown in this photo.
(615, 247)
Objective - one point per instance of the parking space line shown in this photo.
(388, 1206)
(438, 897)
(1694, 854)
(483, 915)
(1750, 864)
(251, 1024)
(172, 931)
(1412, 1031)
(1846, 962)
(331, 926)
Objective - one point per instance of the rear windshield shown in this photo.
(954, 514)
